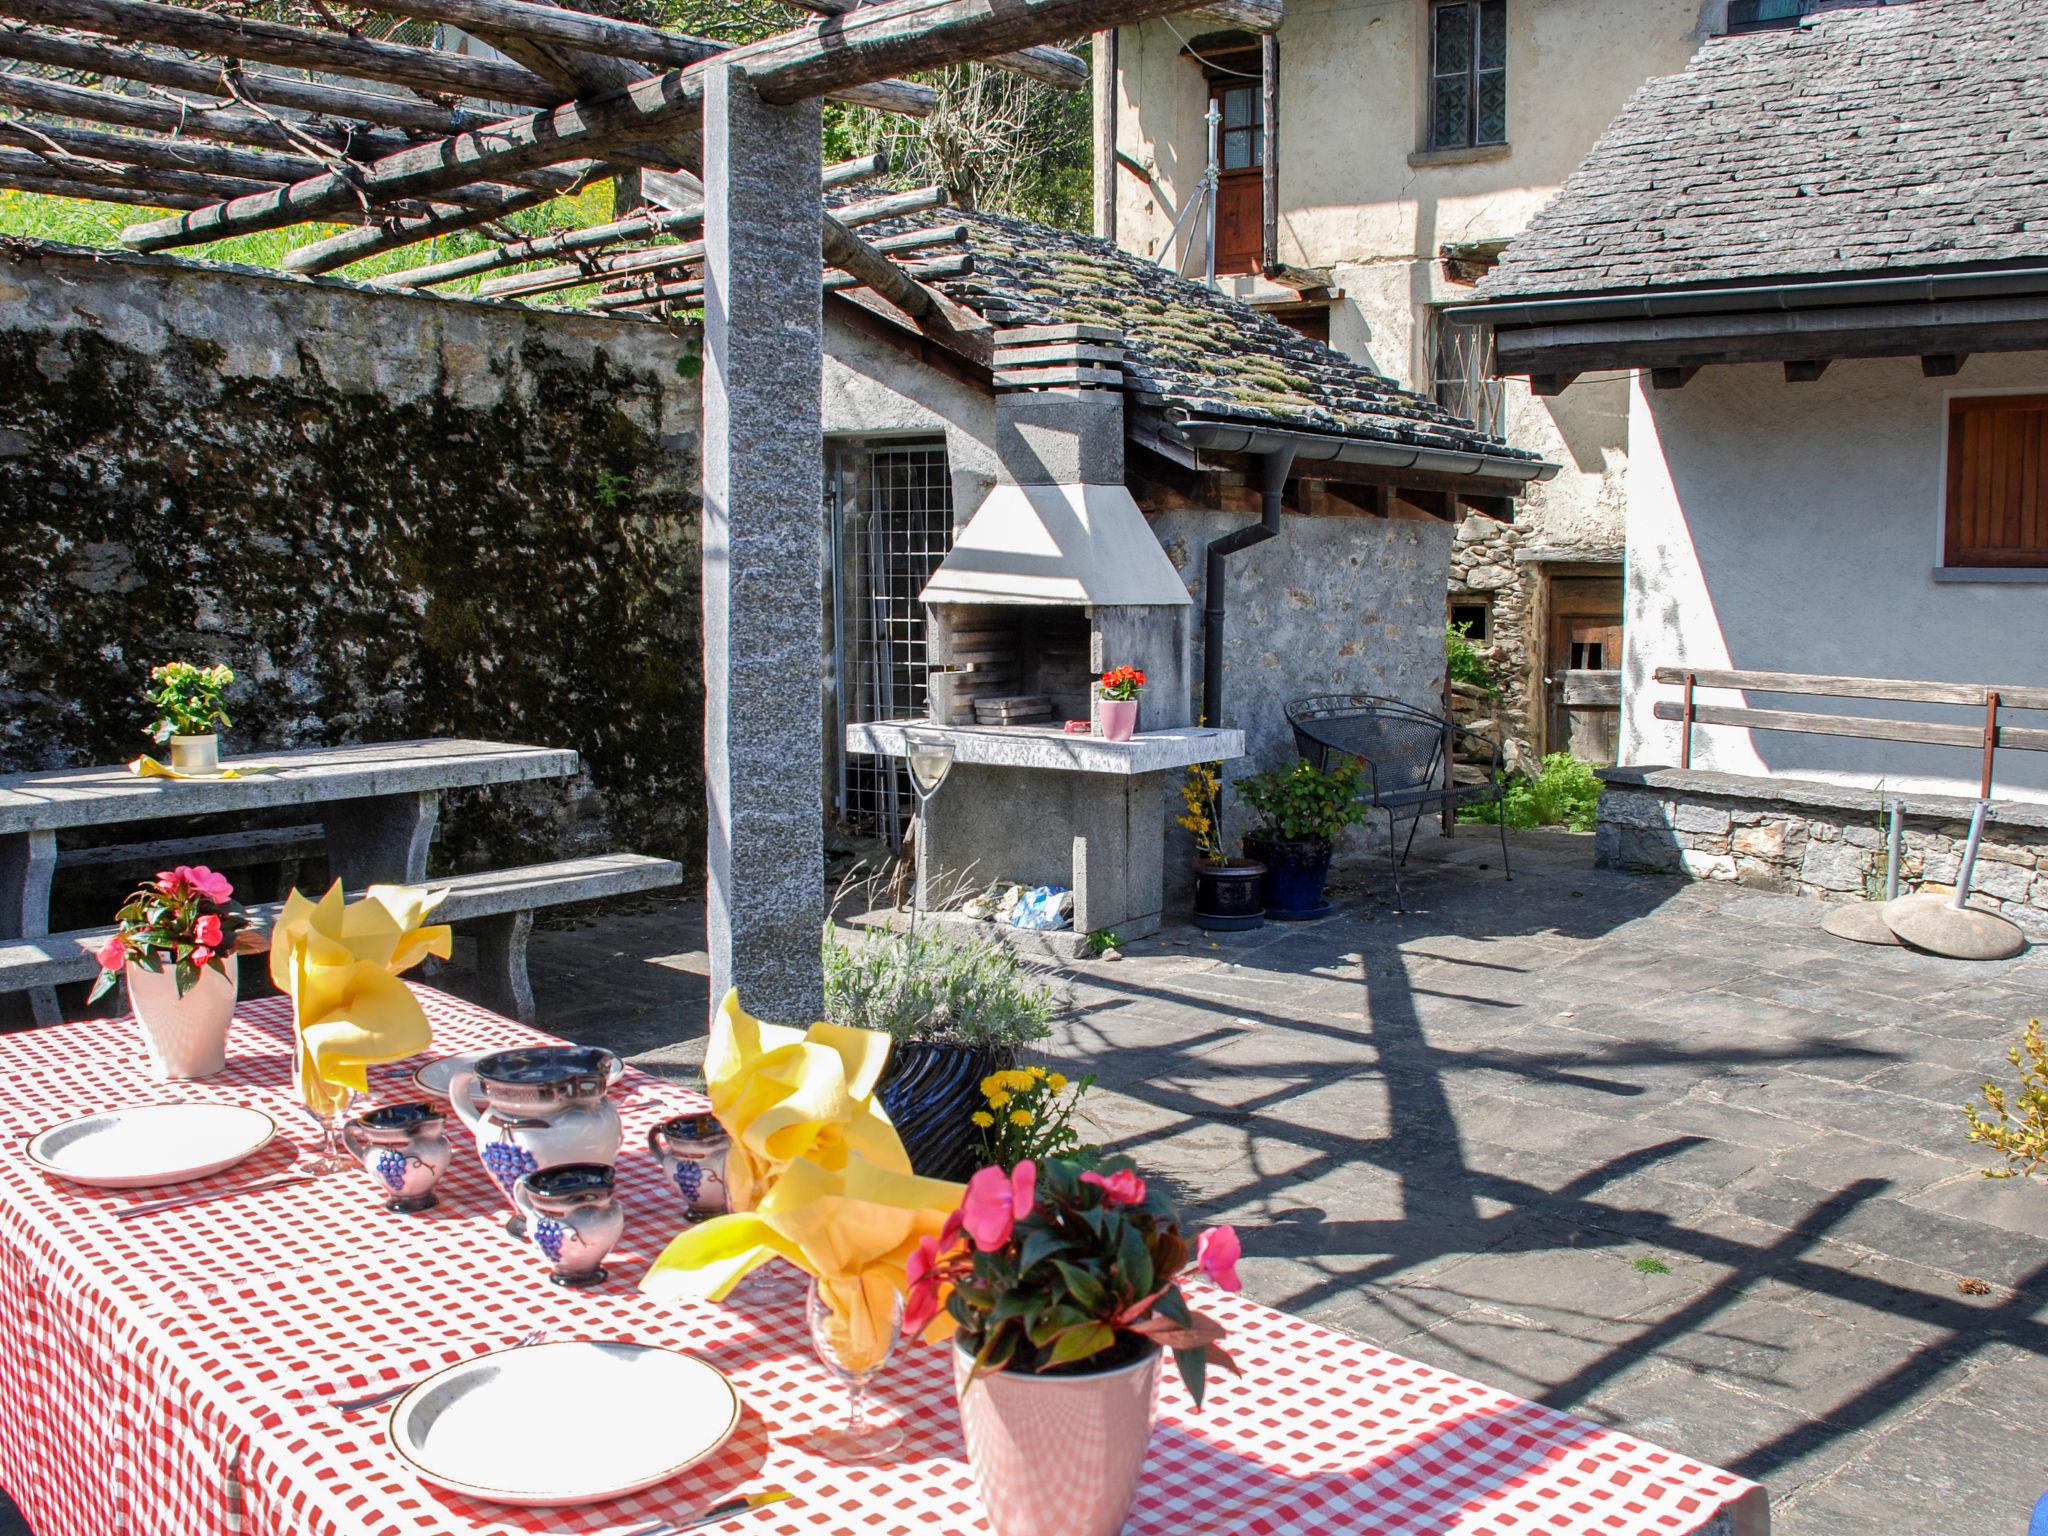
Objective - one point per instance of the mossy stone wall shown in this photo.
(393, 517)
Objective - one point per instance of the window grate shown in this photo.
(894, 531)
(1462, 374)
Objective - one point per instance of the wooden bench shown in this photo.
(1986, 731)
(496, 906)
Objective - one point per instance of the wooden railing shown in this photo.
(1986, 733)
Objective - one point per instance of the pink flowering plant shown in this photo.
(185, 920)
(1066, 1267)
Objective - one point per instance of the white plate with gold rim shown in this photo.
(143, 1145)
(571, 1422)
(433, 1077)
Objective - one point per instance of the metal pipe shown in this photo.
(1215, 599)
(1212, 178)
(1926, 286)
(1962, 896)
(1891, 858)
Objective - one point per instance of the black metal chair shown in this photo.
(1404, 751)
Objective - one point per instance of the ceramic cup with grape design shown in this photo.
(402, 1148)
(573, 1217)
(692, 1151)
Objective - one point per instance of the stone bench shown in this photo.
(496, 906)
(283, 846)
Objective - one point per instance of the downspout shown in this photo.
(1276, 466)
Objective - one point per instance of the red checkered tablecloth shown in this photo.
(172, 1375)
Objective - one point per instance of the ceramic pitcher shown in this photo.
(539, 1108)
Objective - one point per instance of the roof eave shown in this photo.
(1503, 474)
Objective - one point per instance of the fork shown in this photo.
(172, 1202)
(378, 1399)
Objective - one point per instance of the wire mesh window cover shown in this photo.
(893, 535)
(1244, 127)
(1468, 69)
(1461, 371)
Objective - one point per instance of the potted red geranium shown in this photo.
(175, 941)
(1118, 709)
(1059, 1282)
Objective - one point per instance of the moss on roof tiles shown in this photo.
(1186, 345)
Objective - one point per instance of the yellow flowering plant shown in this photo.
(1202, 794)
(1028, 1114)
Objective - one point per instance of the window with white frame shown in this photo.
(1468, 73)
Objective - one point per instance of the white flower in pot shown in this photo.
(189, 714)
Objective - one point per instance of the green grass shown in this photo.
(74, 222)
(1649, 1264)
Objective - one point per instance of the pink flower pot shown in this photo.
(186, 1036)
(1057, 1455)
(1119, 719)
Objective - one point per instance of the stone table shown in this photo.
(1037, 806)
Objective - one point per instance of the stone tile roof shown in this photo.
(1187, 347)
(1895, 138)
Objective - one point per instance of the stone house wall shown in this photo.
(393, 516)
(1813, 839)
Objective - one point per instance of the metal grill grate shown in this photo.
(895, 526)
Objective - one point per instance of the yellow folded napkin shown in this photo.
(148, 767)
(853, 1228)
(785, 1094)
(339, 961)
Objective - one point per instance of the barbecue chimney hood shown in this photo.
(1059, 527)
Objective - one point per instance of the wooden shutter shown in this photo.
(1997, 511)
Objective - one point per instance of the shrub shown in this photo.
(1466, 663)
(1304, 802)
(2017, 1128)
(934, 986)
(1565, 793)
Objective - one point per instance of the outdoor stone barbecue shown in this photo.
(1055, 580)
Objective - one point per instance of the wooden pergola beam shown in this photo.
(934, 314)
(427, 69)
(892, 245)
(559, 24)
(635, 227)
(56, 184)
(654, 258)
(231, 125)
(691, 291)
(870, 44)
(325, 99)
(111, 173)
(1053, 66)
(390, 234)
(147, 149)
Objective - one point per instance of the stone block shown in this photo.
(2006, 853)
(1642, 848)
(1710, 819)
(1707, 866)
(1606, 844)
(1858, 836)
(1488, 578)
(1758, 874)
(1701, 842)
(1833, 867)
(1632, 810)
(1765, 841)
(2005, 882)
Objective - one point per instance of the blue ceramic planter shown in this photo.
(1295, 874)
(930, 1090)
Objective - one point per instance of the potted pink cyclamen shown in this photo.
(1059, 1282)
(175, 942)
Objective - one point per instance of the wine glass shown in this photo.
(861, 1438)
(329, 1104)
(931, 759)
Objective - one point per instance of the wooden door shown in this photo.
(1241, 160)
(1582, 680)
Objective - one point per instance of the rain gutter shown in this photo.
(1325, 448)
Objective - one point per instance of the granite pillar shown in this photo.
(763, 548)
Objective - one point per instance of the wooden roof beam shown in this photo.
(1052, 66)
(56, 184)
(635, 227)
(390, 234)
(1252, 15)
(654, 258)
(937, 316)
(691, 290)
(891, 245)
(426, 69)
(870, 44)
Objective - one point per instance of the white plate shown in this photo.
(146, 1144)
(564, 1423)
(433, 1077)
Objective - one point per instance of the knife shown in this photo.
(718, 1512)
(149, 1207)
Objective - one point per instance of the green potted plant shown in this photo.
(175, 941)
(1302, 810)
(1117, 711)
(189, 714)
(957, 1009)
(1230, 894)
(1060, 1284)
